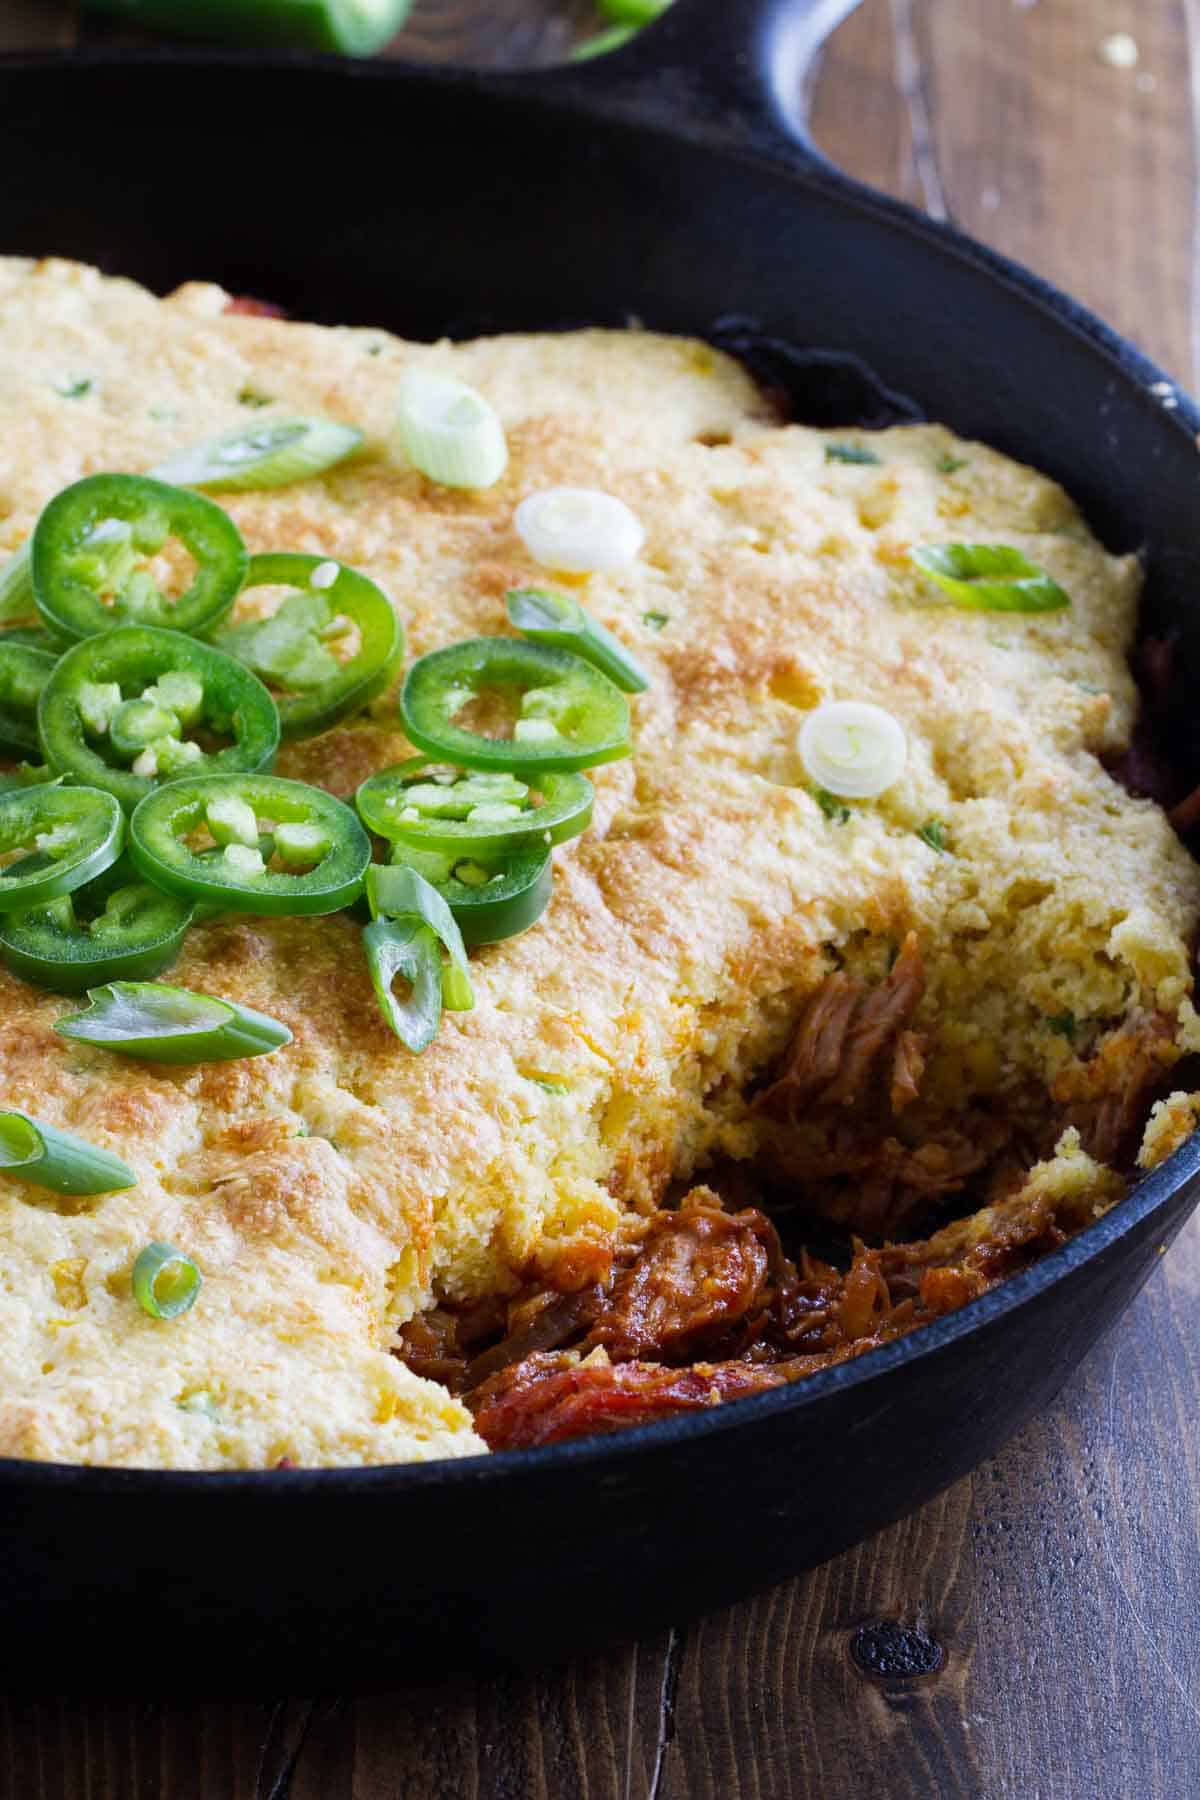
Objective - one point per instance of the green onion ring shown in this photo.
(990, 578)
(49, 1158)
(160, 1023)
(273, 454)
(165, 1281)
(559, 619)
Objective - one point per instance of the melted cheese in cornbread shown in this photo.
(332, 1190)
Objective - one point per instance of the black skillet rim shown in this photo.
(808, 168)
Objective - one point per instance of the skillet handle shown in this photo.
(735, 71)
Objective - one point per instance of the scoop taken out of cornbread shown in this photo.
(333, 1191)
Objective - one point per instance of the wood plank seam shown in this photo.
(668, 1693)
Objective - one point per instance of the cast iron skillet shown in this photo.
(674, 183)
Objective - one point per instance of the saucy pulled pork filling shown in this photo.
(705, 1303)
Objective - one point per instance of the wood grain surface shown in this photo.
(1052, 1595)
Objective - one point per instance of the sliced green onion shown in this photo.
(850, 453)
(853, 749)
(398, 893)
(633, 12)
(990, 578)
(835, 810)
(559, 619)
(411, 950)
(449, 432)
(271, 455)
(580, 530)
(933, 833)
(166, 1024)
(16, 585)
(613, 39)
(31, 1151)
(950, 465)
(165, 1281)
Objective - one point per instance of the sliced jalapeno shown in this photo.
(485, 815)
(411, 950)
(401, 894)
(37, 638)
(570, 716)
(240, 827)
(92, 541)
(58, 838)
(490, 900)
(131, 695)
(293, 650)
(116, 928)
(410, 926)
(24, 672)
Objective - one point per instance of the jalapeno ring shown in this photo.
(490, 901)
(116, 928)
(75, 834)
(88, 541)
(571, 716)
(486, 815)
(24, 672)
(236, 877)
(288, 652)
(132, 659)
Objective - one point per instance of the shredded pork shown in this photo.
(704, 1305)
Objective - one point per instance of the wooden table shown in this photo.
(1061, 1581)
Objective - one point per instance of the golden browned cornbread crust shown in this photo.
(332, 1190)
